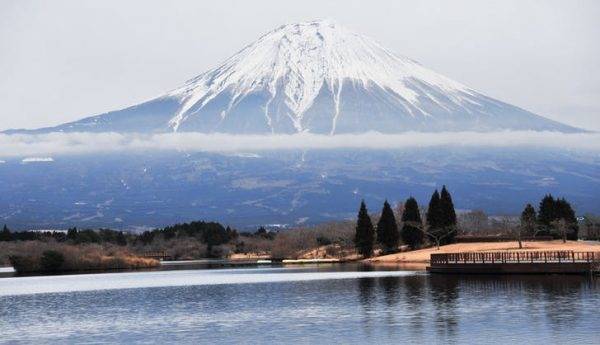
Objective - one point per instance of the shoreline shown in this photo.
(421, 256)
(408, 260)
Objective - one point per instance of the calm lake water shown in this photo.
(312, 305)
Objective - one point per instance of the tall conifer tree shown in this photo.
(546, 214)
(434, 216)
(563, 210)
(5, 234)
(411, 232)
(528, 221)
(365, 233)
(434, 219)
(387, 229)
(448, 215)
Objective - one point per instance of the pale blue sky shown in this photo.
(63, 60)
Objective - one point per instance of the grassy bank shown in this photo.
(49, 257)
(422, 255)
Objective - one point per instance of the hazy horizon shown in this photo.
(68, 60)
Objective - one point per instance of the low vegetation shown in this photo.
(407, 227)
(48, 257)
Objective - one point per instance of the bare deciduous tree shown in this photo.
(435, 235)
(473, 222)
(509, 226)
(563, 228)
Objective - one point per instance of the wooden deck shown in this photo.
(158, 255)
(525, 262)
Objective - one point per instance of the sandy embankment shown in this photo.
(422, 255)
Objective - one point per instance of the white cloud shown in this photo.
(42, 145)
(37, 159)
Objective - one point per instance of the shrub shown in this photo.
(323, 241)
(51, 261)
(24, 263)
(36, 256)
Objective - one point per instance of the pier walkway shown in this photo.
(521, 262)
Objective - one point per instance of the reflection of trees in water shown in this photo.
(366, 293)
(562, 299)
(366, 297)
(390, 286)
(557, 298)
(414, 294)
(421, 306)
(443, 290)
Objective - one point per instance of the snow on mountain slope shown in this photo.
(299, 60)
(322, 78)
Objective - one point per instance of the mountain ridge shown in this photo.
(316, 77)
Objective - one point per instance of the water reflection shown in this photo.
(516, 306)
(414, 292)
(414, 308)
(366, 291)
(443, 292)
(390, 287)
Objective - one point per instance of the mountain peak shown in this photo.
(320, 77)
(303, 59)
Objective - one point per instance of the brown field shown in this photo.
(76, 257)
(422, 255)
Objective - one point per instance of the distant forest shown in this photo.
(407, 224)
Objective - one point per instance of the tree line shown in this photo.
(209, 233)
(555, 217)
(439, 226)
(73, 235)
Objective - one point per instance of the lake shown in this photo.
(348, 304)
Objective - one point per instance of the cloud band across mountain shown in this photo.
(19, 145)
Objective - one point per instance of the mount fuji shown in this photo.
(321, 78)
(312, 77)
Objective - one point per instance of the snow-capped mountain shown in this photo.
(317, 77)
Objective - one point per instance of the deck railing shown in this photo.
(159, 255)
(515, 257)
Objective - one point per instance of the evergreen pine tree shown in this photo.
(5, 235)
(72, 234)
(528, 221)
(387, 229)
(436, 228)
(546, 214)
(563, 210)
(411, 232)
(365, 234)
(447, 215)
(121, 240)
(433, 211)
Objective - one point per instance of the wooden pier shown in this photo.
(158, 255)
(525, 262)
